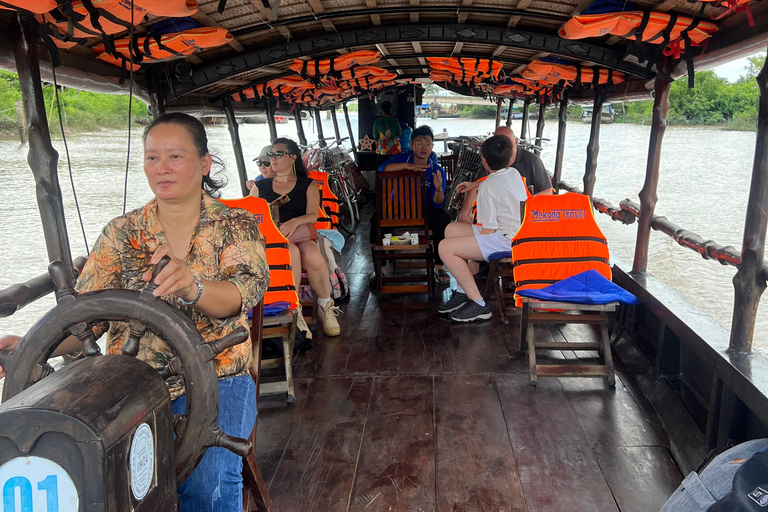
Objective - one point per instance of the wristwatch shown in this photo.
(197, 297)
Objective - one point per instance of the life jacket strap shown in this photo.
(576, 259)
(519, 241)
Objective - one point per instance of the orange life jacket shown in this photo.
(558, 238)
(328, 218)
(651, 26)
(465, 67)
(553, 73)
(281, 287)
(112, 16)
(36, 7)
(316, 68)
(167, 46)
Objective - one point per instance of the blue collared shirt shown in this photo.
(406, 157)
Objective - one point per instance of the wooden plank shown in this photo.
(641, 478)
(476, 468)
(570, 370)
(317, 469)
(558, 471)
(376, 348)
(396, 469)
(427, 347)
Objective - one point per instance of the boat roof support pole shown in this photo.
(269, 106)
(499, 103)
(349, 129)
(335, 124)
(42, 158)
(562, 118)
(540, 122)
(319, 123)
(593, 147)
(749, 281)
(156, 99)
(299, 125)
(509, 112)
(234, 133)
(524, 127)
(648, 192)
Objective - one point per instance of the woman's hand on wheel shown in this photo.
(8, 342)
(287, 228)
(175, 278)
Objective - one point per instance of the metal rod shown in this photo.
(156, 99)
(335, 124)
(524, 128)
(299, 125)
(593, 147)
(540, 122)
(498, 112)
(562, 121)
(647, 195)
(319, 123)
(749, 281)
(42, 158)
(234, 134)
(509, 112)
(269, 106)
(349, 129)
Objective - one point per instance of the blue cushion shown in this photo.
(272, 309)
(589, 287)
(500, 255)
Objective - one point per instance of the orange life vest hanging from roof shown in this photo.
(557, 239)
(281, 287)
(35, 7)
(317, 68)
(552, 73)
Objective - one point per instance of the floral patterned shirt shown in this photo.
(226, 246)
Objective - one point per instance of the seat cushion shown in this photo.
(500, 255)
(588, 287)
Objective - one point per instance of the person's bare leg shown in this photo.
(317, 270)
(455, 252)
(461, 229)
(295, 265)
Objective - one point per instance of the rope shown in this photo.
(130, 113)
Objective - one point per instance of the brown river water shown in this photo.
(703, 187)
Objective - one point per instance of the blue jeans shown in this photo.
(216, 484)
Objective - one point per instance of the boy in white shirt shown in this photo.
(498, 219)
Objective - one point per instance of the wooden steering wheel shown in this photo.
(76, 314)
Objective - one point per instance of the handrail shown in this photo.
(19, 295)
(603, 206)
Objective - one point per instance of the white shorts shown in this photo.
(491, 243)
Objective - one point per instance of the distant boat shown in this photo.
(281, 119)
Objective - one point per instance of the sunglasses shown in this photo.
(277, 155)
(263, 163)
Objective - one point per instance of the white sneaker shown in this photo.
(327, 315)
(301, 324)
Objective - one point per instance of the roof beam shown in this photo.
(535, 57)
(521, 6)
(457, 48)
(462, 14)
(233, 65)
(422, 60)
(383, 50)
(316, 7)
(375, 18)
(269, 15)
(415, 14)
(206, 20)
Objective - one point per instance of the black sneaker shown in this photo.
(457, 300)
(471, 311)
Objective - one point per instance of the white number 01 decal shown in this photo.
(34, 484)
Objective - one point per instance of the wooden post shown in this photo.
(509, 112)
(498, 112)
(524, 128)
(156, 100)
(319, 123)
(562, 118)
(42, 158)
(593, 147)
(349, 129)
(540, 122)
(335, 124)
(20, 116)
(749, 281)
(269, 107)
(648, 193)
(299, 125)
(234, 134)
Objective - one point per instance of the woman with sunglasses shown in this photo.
(297, 218)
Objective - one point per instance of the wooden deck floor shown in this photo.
(407, 412)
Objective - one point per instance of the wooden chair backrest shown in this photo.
(401, 200)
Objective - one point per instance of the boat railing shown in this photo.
(19, 295)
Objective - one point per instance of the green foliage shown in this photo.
(80, 110)
(477, 111)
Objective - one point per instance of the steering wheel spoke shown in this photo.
(84, 333)
(137, 328)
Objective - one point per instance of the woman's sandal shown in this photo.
(441, 276)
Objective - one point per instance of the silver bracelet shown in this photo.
(197, 297)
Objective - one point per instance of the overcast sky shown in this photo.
(733, 70)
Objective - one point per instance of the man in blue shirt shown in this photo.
(421, 158)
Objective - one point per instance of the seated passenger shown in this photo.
(421, 158)
(525, 162)
(498, 210)
(217, 271)
(297, 218)
(262, 161)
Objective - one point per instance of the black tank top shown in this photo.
(297, 206)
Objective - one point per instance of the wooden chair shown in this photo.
(255, 492)
(559, 238)
(282, 326)
(500, 274)
(401, 203)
